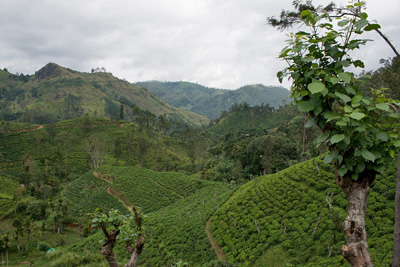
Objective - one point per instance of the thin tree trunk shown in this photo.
(27, 243)
(135, 251)
(396, 239)
(356, 252)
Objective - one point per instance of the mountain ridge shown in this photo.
(210, 102)
(54, 93)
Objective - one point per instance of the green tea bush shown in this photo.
(289, 210)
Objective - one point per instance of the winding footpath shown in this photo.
(125, 202)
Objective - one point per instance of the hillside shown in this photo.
(211, 102)
(241, 118)
(61, 150)
(250, 141)
(54, 93)
(178, 207)
(294, 217)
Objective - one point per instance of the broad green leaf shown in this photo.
(337, 138)
(343, 170)
(343, 22)
(396, 143)
(371, 27)
(348, 109)
(340, 159)
(383, 106)
(305, 106)
(360, 167)
(317, 110)
(311, 122)
(334, 80)
(329, 115)
(344, 97)
(363, 15)
(307, 59)
(345, 76)
(367, 155)
(305, 13)
(330, 157)
(341, 123)
(316, 87)
(382, 136)
(357, 115)
(304, 93)
(322, 138)
(325, 92)
(350, 90)
(345, 63)
(361, 24)
(366, 101)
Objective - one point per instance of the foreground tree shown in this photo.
(360, 132)
(124, 228)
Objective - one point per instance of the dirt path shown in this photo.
(125, 202)
(120, 197)
(218, 250)
(23, 130)
(60, 126)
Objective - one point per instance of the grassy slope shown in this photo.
(54, 84)
(286, 207)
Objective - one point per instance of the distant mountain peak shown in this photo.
(51, 70)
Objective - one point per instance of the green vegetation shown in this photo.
(361, 132)
(8, 195)
(212, 102)
(268, 219)
(250, 188)
(178, 207)
(55, 93)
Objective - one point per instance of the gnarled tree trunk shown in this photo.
(108, 246)
(357, 191)
(135, 251)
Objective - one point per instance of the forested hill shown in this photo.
(55, 93)
(211, 102)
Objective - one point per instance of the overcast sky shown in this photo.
(217, 43)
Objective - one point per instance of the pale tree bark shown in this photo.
(357, 191)
(135, 251)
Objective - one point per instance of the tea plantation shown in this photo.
(294, 218)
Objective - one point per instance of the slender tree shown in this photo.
(386, 77)
(359, 131)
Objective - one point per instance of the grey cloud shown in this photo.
(223, 44)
